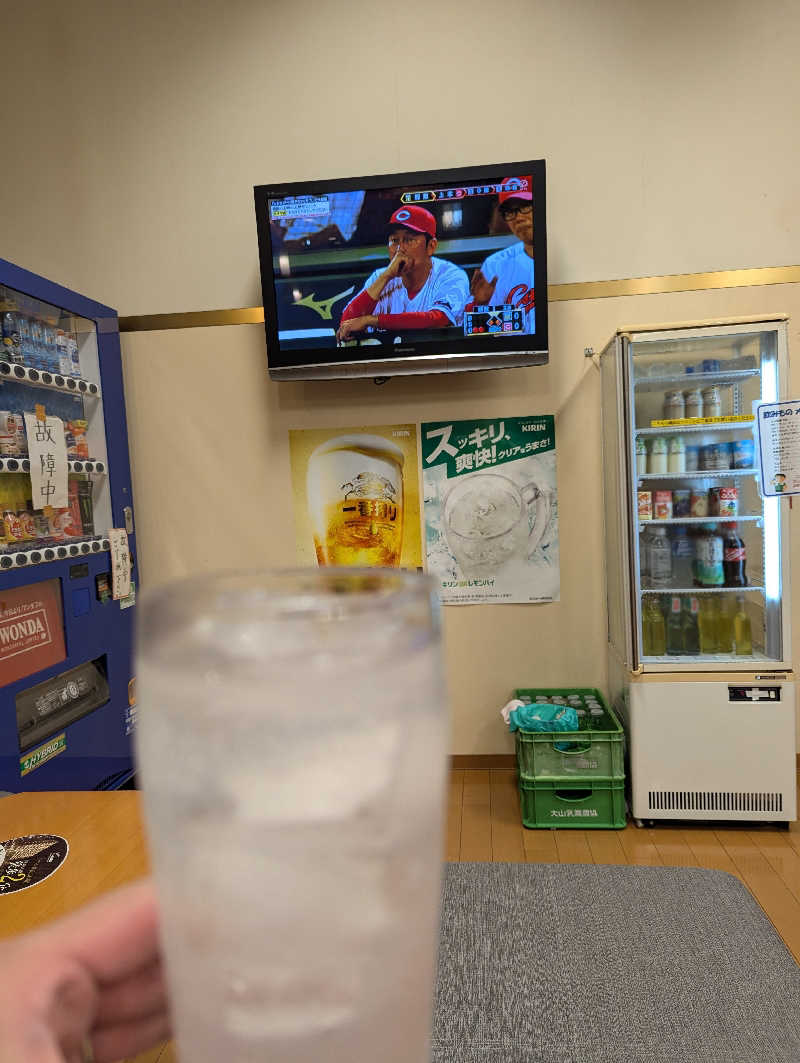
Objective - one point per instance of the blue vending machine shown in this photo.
(67, 550)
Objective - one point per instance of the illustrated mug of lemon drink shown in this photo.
(354, 489)
(489, 521)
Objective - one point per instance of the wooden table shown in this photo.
(106, 850)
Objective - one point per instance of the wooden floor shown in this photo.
(483, 823)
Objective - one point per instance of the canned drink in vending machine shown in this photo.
(80, 446)
(724, 501)
(86, 506)
(8, 435)
(13, 441)
(72, 523)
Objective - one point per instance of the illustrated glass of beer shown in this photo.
(354, 488)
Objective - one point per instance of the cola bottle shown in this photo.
(734, 558)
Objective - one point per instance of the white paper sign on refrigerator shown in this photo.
(47, 452)
(779, 442)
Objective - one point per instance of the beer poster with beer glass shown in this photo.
(356, 496)
(491, 520)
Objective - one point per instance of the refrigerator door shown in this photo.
(616, 476)
(709, 554)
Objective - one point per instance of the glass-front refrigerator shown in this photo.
(67, 548)
(698, 571)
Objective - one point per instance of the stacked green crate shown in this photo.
(572, 778)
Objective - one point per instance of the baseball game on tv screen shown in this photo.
(425, 264)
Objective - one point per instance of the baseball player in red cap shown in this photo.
(506, 277)
(416, 290)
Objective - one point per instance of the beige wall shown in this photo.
(212, 443)
(136, 131)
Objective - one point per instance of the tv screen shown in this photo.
(424, 272)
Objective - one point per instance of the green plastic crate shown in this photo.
(589, 754)
(583, 804)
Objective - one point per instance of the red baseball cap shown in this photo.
(521, 189)
(416, 218)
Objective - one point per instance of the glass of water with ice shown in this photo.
(292, 746)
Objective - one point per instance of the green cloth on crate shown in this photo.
(543, 717)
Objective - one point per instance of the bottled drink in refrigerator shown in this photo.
(641, 456)
(674, 406)
(657, 458)
(694, 403)
(644, 555)
(660, 557)
(647, 628)
(707, 623)
(691, 631)
(708, 557)
(682, 554)
(725, 625)
(742, 631)
(676, 454)
(659, 630)
(675, 627)
(734, 558)
(653, 628)
(712, 402)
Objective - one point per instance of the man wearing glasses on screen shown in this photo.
(416, 290)
(506, 277)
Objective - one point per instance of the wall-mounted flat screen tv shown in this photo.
(427, 272)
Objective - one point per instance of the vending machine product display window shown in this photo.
(65, 653)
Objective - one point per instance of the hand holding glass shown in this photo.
(292, 745)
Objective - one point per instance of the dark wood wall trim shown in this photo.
(483, 761)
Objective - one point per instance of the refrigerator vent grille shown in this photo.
(709, 801)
